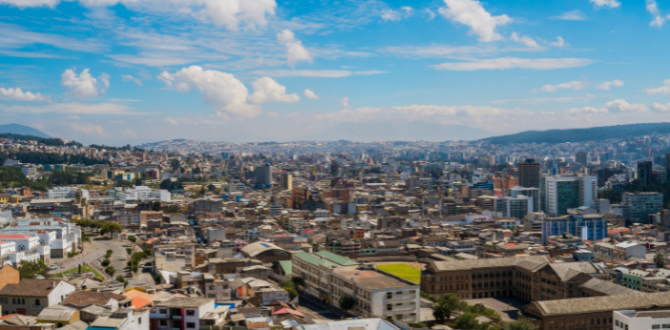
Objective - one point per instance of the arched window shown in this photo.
(22, 247)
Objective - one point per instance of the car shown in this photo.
(53, 266)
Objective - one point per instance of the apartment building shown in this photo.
(30, 296)
(592, 227)
(316, 269)
(376, 293)
(643, 320)
(180, 313)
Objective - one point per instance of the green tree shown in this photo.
(522, 324)
(445, 306)
(30, 269)
(132, 238)
(298, 281)
(105, 263)
(291, 292)
(129, 251)
(110, 270)
(346, 303)
(659, 260)
(467, 321)
(158, 278)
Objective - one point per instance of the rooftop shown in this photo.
(371, 279)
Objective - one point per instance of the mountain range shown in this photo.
(22, 130)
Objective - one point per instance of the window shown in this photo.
(37, 302)
(389, 307)
(666, 326)
(163, 323)
(190, 312)
(190, 325)
(656, 326)
(389, 295)
(139, 320)
(162, 311)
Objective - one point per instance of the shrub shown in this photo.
(105, 263)
(110, 270)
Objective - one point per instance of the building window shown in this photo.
(190, 325)
(656, 326)
(190, 312)
(162, 311)
(139, 320)
(163, 323)
(37, 302)
(389, 307)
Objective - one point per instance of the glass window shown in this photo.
(190, 312)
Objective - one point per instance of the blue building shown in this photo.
(592, 227)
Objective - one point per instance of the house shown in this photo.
(127, 319)
(59, 315)
(180, 313)
(83, 299)
(30, 296)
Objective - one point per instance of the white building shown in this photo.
(61, 236)
(647, 320)
(66, 192)
(174, 312)
(141, 193)
(563, 191)
(127, 319)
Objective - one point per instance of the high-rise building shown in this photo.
(534, 193)
(286, 181)
(582, 157)
(637, 206)
(529, 174)
(667, 166)
(568, 192)
(264, 175)
(591, 227)
(514, 207)
(644, 172)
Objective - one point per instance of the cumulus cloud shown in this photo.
(295, 52)
(514, 62)
(609, 84)
(88, 128)
(84, 85)
(663, 90)
(472, 14)
(225, 93)
(16, 94)
(660, 107)
(345, 101)
(605, 3)
(560, 43)
(267, 89)
(228, 13)
(127, 77)
(574, 15)
(574, 85)
(526, 40)
(613, 107)
(396, 15)
(652, 8)
(311, 95)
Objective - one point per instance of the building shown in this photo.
(529, 174)
(569, 192)
(126, 319)
(286, 181)
(644, 172)
(582, 157)
(30, 296)
(591, 227)
(58, 315)
(265, 252)
(141, 193)
(376, 293)
(263, 175)
(637, 206)
(645, 320)
(180, 313)
(593, 313)
(514, 207)
(66, 192)
(315, 269)
(533, 193)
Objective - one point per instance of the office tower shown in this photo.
(644, 173)
(529, 174)
(534, 193)
(667, 166)
(264, 175)
(637, 206)
(286, 181)
(568, 192)
(515, 207)
(590, 227)
(582, 157)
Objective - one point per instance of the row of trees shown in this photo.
(103, 227)
(49, 158)
(13, 177)
(447, 305)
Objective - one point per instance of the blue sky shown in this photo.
(130, 71)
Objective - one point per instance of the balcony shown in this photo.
(397, 297)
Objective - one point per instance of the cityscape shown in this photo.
(334, 165)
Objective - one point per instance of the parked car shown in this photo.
(53, 266)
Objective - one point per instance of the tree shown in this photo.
(132, 238)
(298, 281)
(110, 270)
(522, 324)
(659, 260)
(347, 303)
(121, 279)
(158, 278)
(129, 251)
(445, 306)
(105, 263)
(467, 321)
(30, 269)
(291, 292)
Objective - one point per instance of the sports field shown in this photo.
(404, 271)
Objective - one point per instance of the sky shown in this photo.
(133, 71)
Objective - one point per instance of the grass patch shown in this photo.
(403, 271)
(85, 269)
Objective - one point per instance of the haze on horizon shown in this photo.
(122, 71)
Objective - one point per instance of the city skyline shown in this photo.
(119, 72)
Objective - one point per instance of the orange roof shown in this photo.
(10, 315)
(132, 294)
(139, 302)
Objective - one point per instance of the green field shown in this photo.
(404, 271)
(84, 269)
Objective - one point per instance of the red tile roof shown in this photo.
(14, 236)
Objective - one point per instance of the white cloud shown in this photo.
(16, 94)
(660, 107)
(267, 89)
(574, 15)
(608, 84)
(397, 15)
(88, 128)
(314, 73)
(652, 8)
(172, 121)
(84, 85)
(228, 13)
(472, 14)
(73, 108)
(663, 90)
(574, 85)
(526, 40)
(430, 13)
(311, 95)
(605, 3)
(514, 62)
(345, 101)
(560, 43)
(17, 37)
(294, 49)
(225, 93)
(130, 133)
(612, 107)
(127, 77)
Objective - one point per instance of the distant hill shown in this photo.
(413, 131)
(581, 134)
(22, 130)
